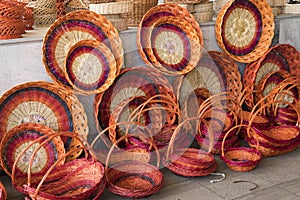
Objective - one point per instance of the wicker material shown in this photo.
(72, 28)
(146, 83)
(151, 17)
(44, 20)
(17, 139)
(203, 7)
(78, 179)
(173, 45)
(3, 193)
(203, 17)
(75, 5)
(183, 1)
(43, 103)
(133, 179)
(10, 29)
(112, 7)
(242, 31)
(189, 162)
(28, 18)
(120, 24)
(90, 67)
(279, 57)
(12, 10)
(241, 159)
(140, 7)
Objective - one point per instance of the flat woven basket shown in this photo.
(17, 139)
(151, 17)
(72, 28)
(43, 103)
(90, 67)
(244, 29)
(173, 45)
(279, 57)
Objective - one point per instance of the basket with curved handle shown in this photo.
(275, 140)
(139, 153)
(189, 162)
(240, 159)
(68, 180)
(133, 178)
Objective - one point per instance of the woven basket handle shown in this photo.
(176, 132)
(235, 127)
(53, 166)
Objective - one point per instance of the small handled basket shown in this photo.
(78, 179)
(241, 159)
(188, 162)
(133, 179)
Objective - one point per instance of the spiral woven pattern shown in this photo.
(156, 13)
(18, 138)
(90, 67)
(43, 103)
(72, 28)
(244, 29)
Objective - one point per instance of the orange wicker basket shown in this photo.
(279, 57)
(244, 29)
(145, 28)
(72, 28)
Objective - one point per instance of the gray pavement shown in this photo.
(277, 178)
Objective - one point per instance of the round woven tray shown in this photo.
(112, 7)
(172, 45)
(43, 103)
(18, 138)
(132, 82)
(279, 57)
(244, 29)
(155, 13)
(72, 28)
(90, 67)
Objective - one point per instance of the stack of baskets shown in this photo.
(113, 11)
(44, 12)
(11, 19)
(203, 12)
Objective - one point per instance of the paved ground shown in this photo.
(277, 178)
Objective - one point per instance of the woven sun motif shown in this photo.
(43, 103)
(132, 82)
(72, 28)
(90, 67)
(17, 139)
(174, 39)
(244, 29)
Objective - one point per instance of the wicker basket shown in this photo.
(112, 7)
(43, 103)
(189, 162)
(140, 7)
(203, 17)
(75, 5)
(90, 67)
(24, 139)
(184, 1)
(203, 7)
(72, 28)
(235, 32)
(133, 179)
(241, 159)
(78, 179)
(279, 57)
